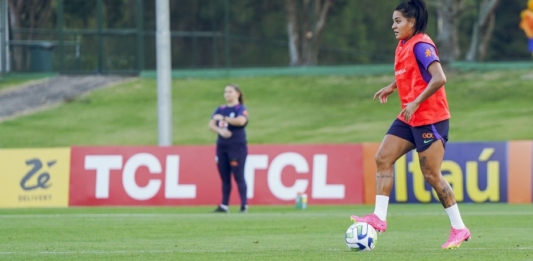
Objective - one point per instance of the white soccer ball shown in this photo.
(361, 237)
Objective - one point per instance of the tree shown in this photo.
(361, 33)
(27, 14)
(306, 20)
(79, 13)
(448, 12)
(482, 30)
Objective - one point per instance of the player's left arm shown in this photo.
(240, 120)
(438, 79)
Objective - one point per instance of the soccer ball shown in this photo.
(361, 237)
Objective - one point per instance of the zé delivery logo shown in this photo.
(34, 177)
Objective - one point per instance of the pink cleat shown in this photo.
(457, 236)
(373, 220)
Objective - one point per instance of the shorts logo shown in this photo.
(234, 163)
(427, 135)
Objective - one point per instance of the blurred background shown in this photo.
(118, 36)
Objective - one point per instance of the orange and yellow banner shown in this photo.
(478, 172)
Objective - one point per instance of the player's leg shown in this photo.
(431, 147)
(391, 149)
(224, 169)
(397, 142)
(237, 161)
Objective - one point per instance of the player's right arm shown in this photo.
(385, 92)
(224, 132)
(213, 124)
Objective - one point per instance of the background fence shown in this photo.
(118, 36)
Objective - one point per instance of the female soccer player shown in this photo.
(423, 122)
(229, 121)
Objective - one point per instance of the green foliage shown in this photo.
(80, 14)
(356, 32)
(509, 42)
(416, 232)
(353, 31)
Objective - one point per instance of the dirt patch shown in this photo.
(51, 92)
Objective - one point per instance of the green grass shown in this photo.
(486, 106)
(415, 232)
(14, 80)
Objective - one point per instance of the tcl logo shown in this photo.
(319, 189)
(104, 164)
(187, 175)
(173, 190)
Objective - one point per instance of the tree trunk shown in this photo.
(448, 12)
(482, 30)
(322, 13)
(306, 20)
(306, 34)
(15, 13)
(29, 14)
(293, 32)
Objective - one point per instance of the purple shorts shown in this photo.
(422, 136)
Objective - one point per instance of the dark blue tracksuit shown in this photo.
(231, 153)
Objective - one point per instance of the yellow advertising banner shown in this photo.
(34, 177)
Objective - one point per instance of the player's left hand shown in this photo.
(409, 110)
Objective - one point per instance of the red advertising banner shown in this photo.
(187, 175)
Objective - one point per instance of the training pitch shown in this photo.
(415, 232)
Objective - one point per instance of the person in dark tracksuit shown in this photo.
(229, 121)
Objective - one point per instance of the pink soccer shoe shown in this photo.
(457, 237)
(373, 220)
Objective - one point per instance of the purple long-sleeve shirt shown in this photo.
(425, 55)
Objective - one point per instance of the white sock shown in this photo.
(455, 217)
(224, 207)
(382, 203)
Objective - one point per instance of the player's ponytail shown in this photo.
(237, 89)
(418, 10)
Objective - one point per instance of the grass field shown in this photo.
(485, 106)
(415, 232)
(14, 80)
(491, 106)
